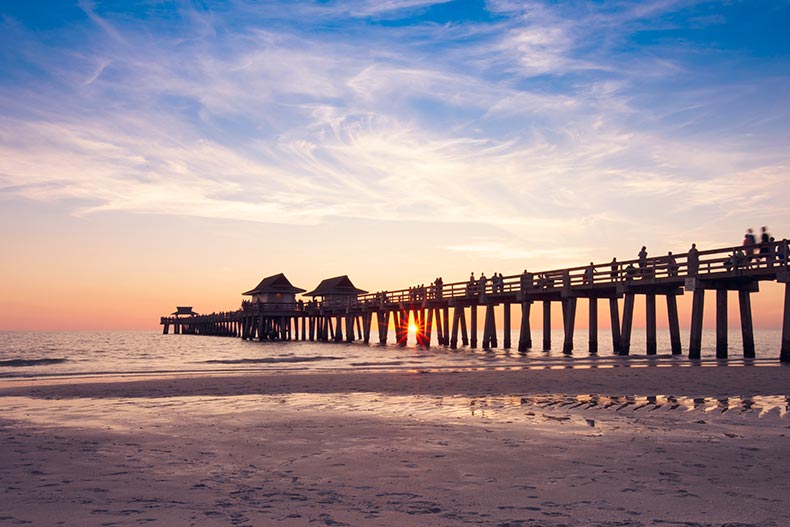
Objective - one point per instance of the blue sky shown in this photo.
(502, 132)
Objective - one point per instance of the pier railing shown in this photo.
(732, 262)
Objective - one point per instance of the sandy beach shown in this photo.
(619, 446)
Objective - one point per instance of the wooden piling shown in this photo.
(614, 316)
(721, 324)
(487, 328)
(506, 322)
(525, 335)
(569, 310)
(650, 323)
(747, 329)
(628, 320)
(464, 334)
(454, 337)
(695, 332)
(446, 326)
(784, 355)
(674, 324)
(473, 325)
(593, 326)
(546, 325)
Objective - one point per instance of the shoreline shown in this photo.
(700, 381)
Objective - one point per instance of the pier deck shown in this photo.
(429, 307)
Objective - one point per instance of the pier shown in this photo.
(340, 312)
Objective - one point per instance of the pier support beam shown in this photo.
(546, 325)
(721, 324)
(593, 325)
(383, 322)
(454, 337)
(489, 315)
(473, 325)
(674, 324)
(506, 308)
(446, 326)
(569, 312)
(614, 315)
(784, 355)
(695, 337)
(650, 323)
(464, 334)
(525, 335)
(747, 329)
(628, 322)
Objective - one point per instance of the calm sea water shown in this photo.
(25, 354)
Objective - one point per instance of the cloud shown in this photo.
(283, 123)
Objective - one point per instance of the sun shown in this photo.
(412, 327)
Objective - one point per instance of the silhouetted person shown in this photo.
(615, 269)
(749, 243)
(526, 280)
(642, 260)
(481, 284)
(783, 251)
(630, 272)
(672, 264)
(692, 260)
(739, 260)
(589, 273)
(765, 242)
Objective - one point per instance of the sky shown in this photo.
(155, 153)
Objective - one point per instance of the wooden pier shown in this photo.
(339, 312)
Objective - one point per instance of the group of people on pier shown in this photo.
(421, 292)
(479, 286)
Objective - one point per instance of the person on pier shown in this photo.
(749, 243)
(471, 284)
(765, 243)
(672, 264)
(615, 269)
(692, 261)
(438, 284)
(630, 272)
(740, 260)
(526, 280)
(642, 260)
(481, 285)
(589, 274)
(497, 283)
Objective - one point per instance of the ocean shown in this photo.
(96, 353)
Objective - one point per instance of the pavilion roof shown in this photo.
(337, 286)
(274, 284)
(183, 310)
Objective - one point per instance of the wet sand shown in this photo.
(624, 446)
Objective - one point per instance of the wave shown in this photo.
(19, 363)
(270, 360)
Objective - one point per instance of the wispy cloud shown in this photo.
(517, 123)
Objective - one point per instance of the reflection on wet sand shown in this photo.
(761, 404)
